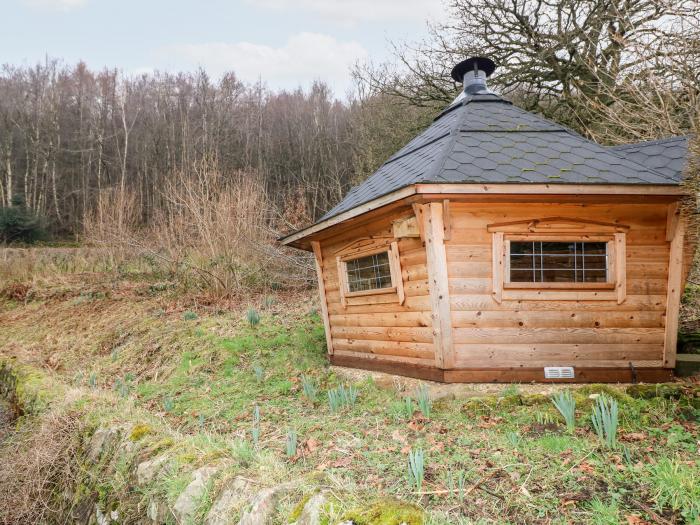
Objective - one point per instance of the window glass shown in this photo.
(369, 273)
(558, 262)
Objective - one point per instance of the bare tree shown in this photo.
(569, 59)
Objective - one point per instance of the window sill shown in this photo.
(377, 291)
(559, 286)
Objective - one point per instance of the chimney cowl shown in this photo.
(473, 73)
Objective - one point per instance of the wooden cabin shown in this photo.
(500, 246)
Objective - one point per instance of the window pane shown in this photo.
(599, 248)
(521, 261)
(521, 247)
(557, 247)
(558, 262)
(369, 273)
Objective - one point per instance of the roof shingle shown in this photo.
(485, 139)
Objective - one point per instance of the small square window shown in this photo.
(372, 272)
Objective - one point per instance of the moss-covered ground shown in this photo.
(184, 376)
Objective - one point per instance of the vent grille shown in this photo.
(558, 372)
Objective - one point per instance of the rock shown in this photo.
(262, 508)
(311, 514)
(186, 503)
(102, 440)
(148, 469)
(158, 512)
(228, 502)
(101, 518)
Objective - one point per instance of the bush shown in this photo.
(20, 224)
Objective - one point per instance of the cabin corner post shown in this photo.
(674, 291)
(318, 258)
(431, 215)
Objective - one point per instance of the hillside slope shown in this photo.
(155, 407)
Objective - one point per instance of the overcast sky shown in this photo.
(286, 42)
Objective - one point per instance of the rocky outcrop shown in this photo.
(230, 500)
(263, 505)
(186, 504)
(101, 442)
(311, 513)
(147, 470)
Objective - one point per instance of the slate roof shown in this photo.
(483, 138)
(667, 156)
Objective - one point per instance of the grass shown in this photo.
(190, 388)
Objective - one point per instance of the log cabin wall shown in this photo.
(377, 327)
(558, 331)
(513, 338)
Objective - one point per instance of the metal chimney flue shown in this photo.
(473, 73)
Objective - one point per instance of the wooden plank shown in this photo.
(412, 361)
(342, 280)
(563, 318)
(318, 259)
(396, 276)
(479, 303)
(438, 282)
(419, 212)
(406, 227)
(553, 189)
(498, 355)
(384, 333)
(620, 258)
(674, 293)
(428, 373)
(559, 335)
(394, 319)
(674, 213)
(498, 256)
(583, 375)
(447, 219)
(558, 223)
(505, 375)
(393, 348)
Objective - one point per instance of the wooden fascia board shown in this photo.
(551, 189)
(301, 238)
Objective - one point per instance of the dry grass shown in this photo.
(211, 232)
(40, 465)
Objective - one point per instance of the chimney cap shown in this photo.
(480, 63)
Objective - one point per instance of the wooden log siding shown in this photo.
(386, 327)
(514, 338)
(564, 327)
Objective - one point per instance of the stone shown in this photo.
(101, 518)
(147, 470)
(102, 440)
(262, 507)
(186, 503)
(158, 512)
(311, 514)
(229, 501)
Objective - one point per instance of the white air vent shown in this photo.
(558, 372)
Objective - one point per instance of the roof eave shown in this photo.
(299, 238)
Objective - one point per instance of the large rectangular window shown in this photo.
(372, 272)
(558, 262)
